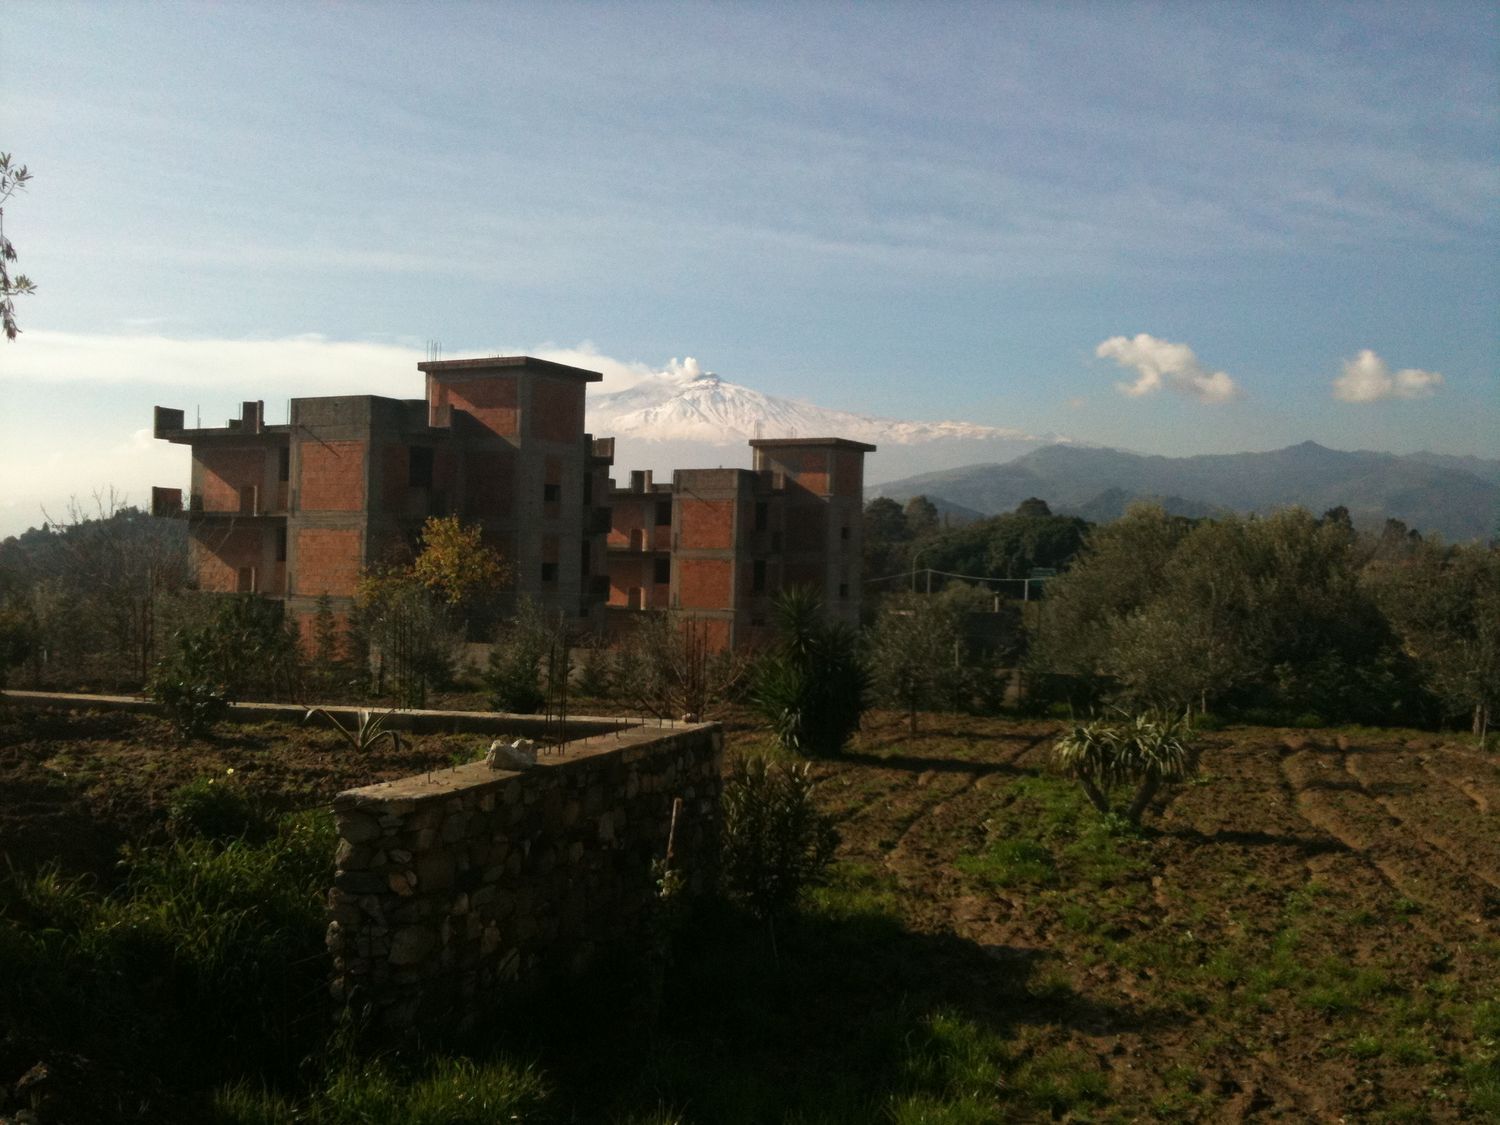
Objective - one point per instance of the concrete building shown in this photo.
(719, 544)
(301, 510)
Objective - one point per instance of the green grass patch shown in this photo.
(447, 1091)
(222, 938)
(1046, 835)
(1010, 863)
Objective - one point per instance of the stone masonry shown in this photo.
(455, 886)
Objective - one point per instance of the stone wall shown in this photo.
(454, 886)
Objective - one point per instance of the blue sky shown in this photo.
(1172, 228)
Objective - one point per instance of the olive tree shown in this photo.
(13, 178)
(1445, 602)
(912, 650)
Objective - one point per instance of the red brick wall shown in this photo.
(806, 467)
(706, 523)
(218, 556)
(848, 472)
(225, 472)
(557, 410)
(307, 633)
(494, 402)
(625, 574)
(489, 482)
(328, 561)
(332, 477)
(629, 515)
(704, 584)
(714, 631)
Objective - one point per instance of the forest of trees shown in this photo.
(1285, 617)
(91, 597)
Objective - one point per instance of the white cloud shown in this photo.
(1366, 378)
(299, 366)
(296, 365)
(619, 374)
(1161, 363)
(56, 478)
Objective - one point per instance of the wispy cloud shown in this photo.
(300, 365)
(1162, 364)
(1367, 378)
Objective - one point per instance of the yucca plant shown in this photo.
(1146, 751)
(811, 688)
(367, 729)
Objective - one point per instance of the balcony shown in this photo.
(643, 541)
(166, 502)
(247, 503)
(599, 521)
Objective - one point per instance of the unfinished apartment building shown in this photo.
(719, 544)
(301, 510)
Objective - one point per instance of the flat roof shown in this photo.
(788, 442)
(502, 362)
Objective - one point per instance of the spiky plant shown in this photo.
(1145, 751)
(367, 729)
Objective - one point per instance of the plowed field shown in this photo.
(1310, 931)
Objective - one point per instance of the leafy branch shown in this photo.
(13, 178)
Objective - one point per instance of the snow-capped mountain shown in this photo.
(686, 417)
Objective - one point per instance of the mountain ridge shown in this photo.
(1424, 492)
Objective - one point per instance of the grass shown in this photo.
(1084, 937)
(220, 937)
(448, 1091)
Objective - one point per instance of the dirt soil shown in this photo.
(1311, 932)
(1304, 935)
(76, 785)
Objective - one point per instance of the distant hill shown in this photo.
(1457, 497)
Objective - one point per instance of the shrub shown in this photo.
(775, 842)
(513, 674)
(664, 667)
(811, 689)
(1146, 751)
(18, 639)
(594, 673)
(243, 648)
(216, 808)
(189, 688)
